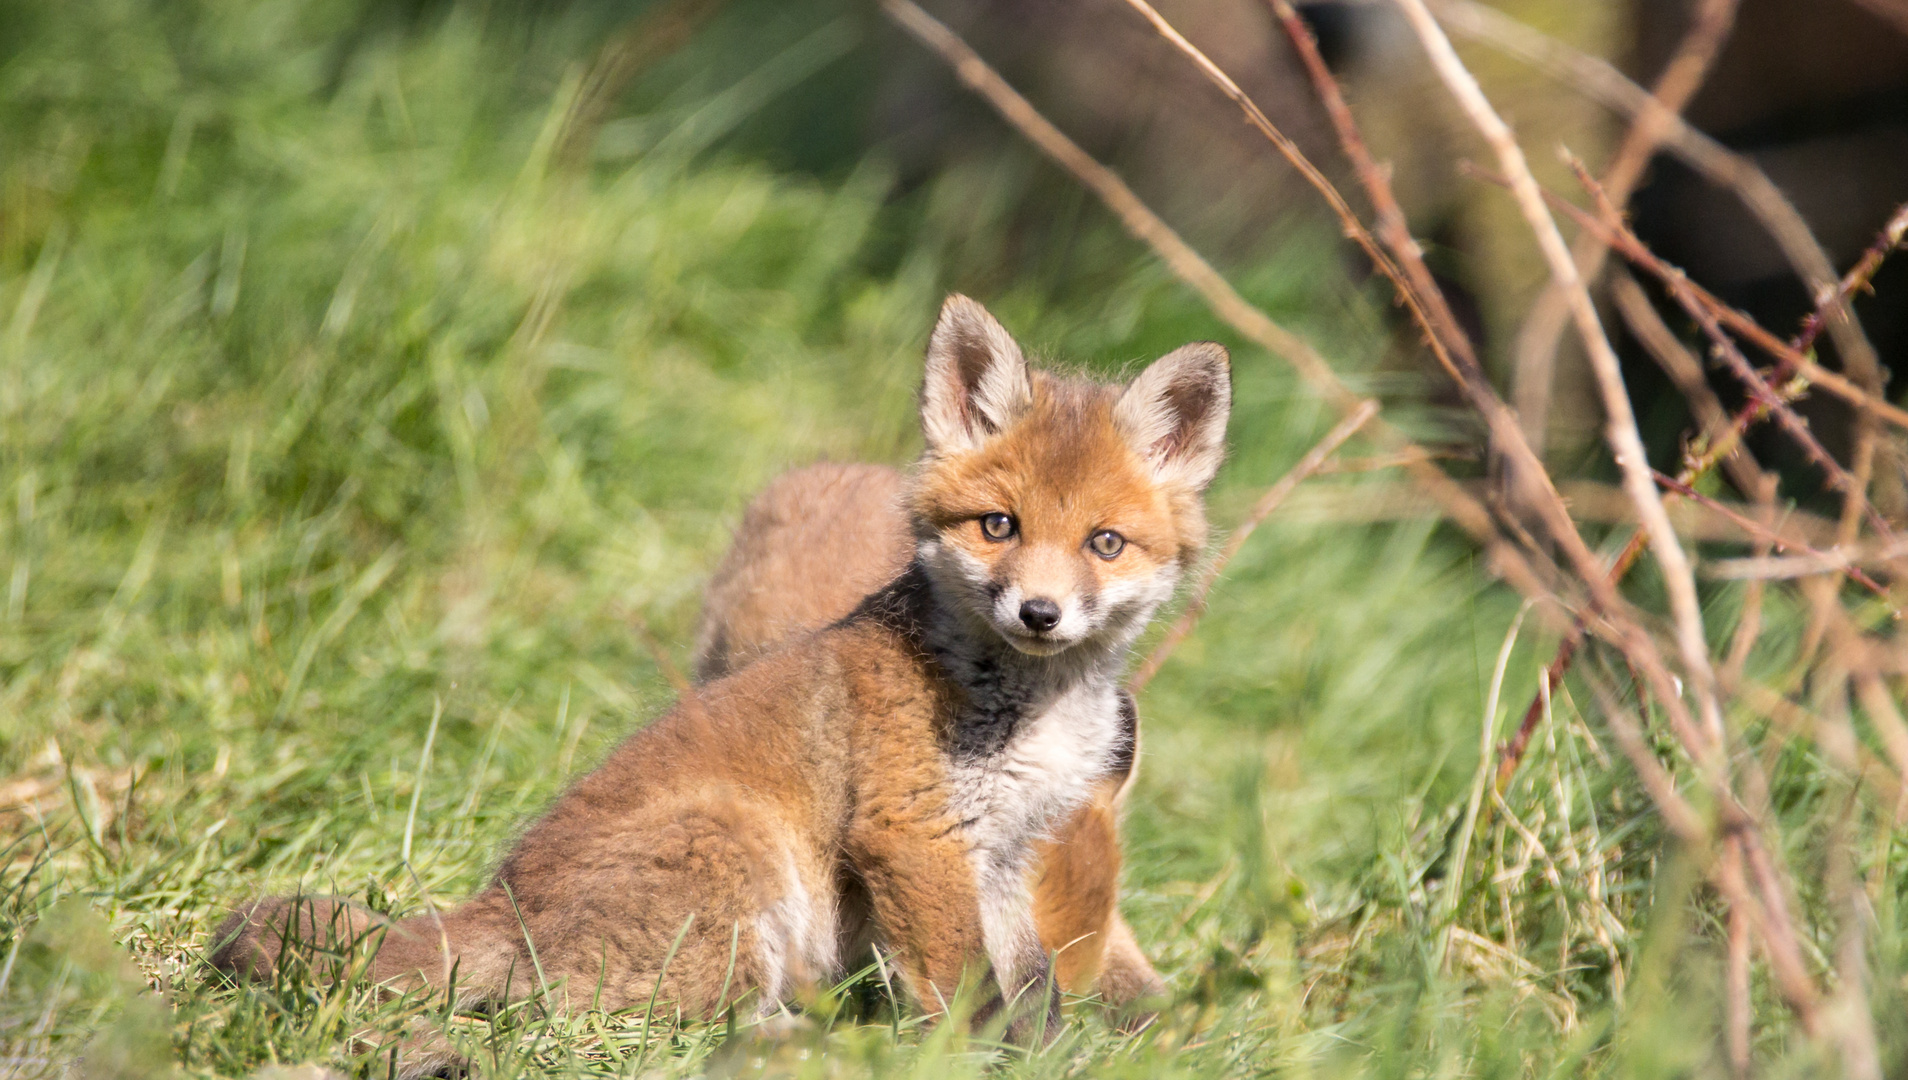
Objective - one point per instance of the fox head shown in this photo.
(1055, 511)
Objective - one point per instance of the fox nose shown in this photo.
(1040, 614)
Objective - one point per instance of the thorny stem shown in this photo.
(1708, 454)
(1763, 533)
(1706, 314)
(1856, 279)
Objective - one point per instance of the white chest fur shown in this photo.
(1047, 768)
(1009, 798)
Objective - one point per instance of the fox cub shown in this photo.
(886, 777)
(794, 569)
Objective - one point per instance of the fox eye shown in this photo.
(997, 526)
(1107, 544)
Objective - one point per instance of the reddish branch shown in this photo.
(1529, 573)
(1701, 463)
(1390, 223)
(1856, 280)
(1506, 433)
(1789, 360)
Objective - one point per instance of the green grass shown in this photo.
(335, 410)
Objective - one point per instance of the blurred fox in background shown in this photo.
(882, 781)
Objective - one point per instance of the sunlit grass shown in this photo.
(330, 403)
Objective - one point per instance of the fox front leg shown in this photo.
(924, 898)
(1021, 964)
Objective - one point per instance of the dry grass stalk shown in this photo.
(655, 33)
(1268, 502)
(1738, 1012)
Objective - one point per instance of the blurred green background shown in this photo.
(363, 364)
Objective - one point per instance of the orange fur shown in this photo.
(887, 776)
(809, 547)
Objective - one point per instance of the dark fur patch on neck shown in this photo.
(901, 607)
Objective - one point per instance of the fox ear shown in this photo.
(1175, 413)
(976, 378)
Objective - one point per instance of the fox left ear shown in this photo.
(1175, 413)
(977, 381)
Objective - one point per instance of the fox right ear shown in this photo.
(977, 380)
(1175, 413)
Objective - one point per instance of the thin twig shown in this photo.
(1789, 568)
(1681, 818)
(1611, 614)
(1852, 485)
(1268, 502)
(1857, 278)
(1506, 433)
(1885, 716)
(1390, 224)
(1790, 360)
(1686, 371)
(1459, 365)
(1712, 314)
(1737, 1010)
(1766, 902)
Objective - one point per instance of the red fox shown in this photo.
(810, 546)
(887, 776)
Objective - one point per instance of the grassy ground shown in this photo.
(347, 435)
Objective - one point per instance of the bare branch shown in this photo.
(1721, 166)
(1392, 228)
